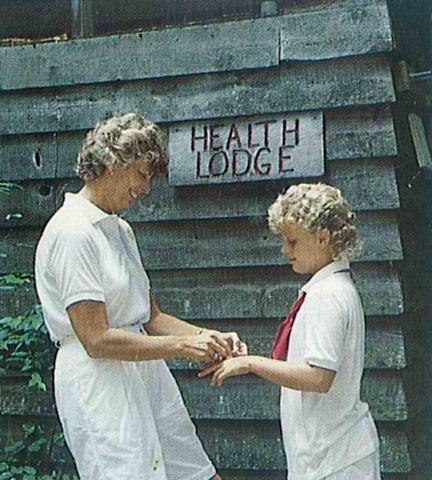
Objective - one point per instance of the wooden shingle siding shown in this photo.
(250, 243)
(368, 184)
(247, 398)
(351, 29)
(208, 251)
(349, 134)
(257, 445)
(290, 87)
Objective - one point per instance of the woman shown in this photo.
(120, 408)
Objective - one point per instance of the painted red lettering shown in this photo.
(291, 136)
(259, 166)
(225, 164)
(233, 135)
(199, 174)
(282, 158)
(266, 130)
(194, 138)
(213, 137)
(236, 154)
(250, 137)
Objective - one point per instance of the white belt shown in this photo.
(135, 328)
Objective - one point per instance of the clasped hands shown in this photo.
(224, 354)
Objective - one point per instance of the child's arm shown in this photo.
(298, 376)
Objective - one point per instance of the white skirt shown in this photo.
(125, 420)
(367, 468)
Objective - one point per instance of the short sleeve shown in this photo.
(75, 265)
(326, 325)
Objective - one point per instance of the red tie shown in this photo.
(280, 345)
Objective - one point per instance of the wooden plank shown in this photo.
(258, 446)
(263, 292)
(250, 398)
(337, 32)
(384, 349)
(358, 133)
(273, 147)
(250, 243)
(28, 157)
(243, 398)
(152, 54)
(320, 34)
(295, 87)
(368, 185)
(252, 446)
(349, 133)
(356, 179)
(421, 147)
(255, 293)
(243, 292)
(15, 302)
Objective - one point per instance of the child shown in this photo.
(328, 433)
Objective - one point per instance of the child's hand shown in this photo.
(228, 368)
(238, 347)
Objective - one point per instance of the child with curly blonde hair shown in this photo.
(318, 354)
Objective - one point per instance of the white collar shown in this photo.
(325, 272)
(89, 209)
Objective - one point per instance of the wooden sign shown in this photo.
(247, 149)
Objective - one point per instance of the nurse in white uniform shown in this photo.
(121, 411)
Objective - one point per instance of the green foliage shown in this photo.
(5, 188)
(26, 351)
(24, 344)
(31, 457)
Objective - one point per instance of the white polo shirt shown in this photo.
(324, 432)
(86, 254)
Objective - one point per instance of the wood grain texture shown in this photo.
(290, 87)
(242, 293)
(349, 134)
(255, 446)
(349, 30)
(244, 398)
(258, 445)
(203, 243)
(337, 32)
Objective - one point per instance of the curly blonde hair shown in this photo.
(317, 207)
(118, 141)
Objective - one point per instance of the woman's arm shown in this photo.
(163, 324)
(298, 376)
(90, 323)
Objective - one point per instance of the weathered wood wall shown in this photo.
(207, 248)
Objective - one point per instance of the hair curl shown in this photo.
(317, 207)
(118, 141)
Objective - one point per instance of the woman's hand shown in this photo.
(228, 368)
(237, 346)
(209, 347)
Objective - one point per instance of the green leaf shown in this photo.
(13, 216)
(36, 381)
(28, 428)
(29, 470)
(6, 475)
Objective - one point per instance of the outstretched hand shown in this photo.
(208, 347)
(225, 369)
(237, 346)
